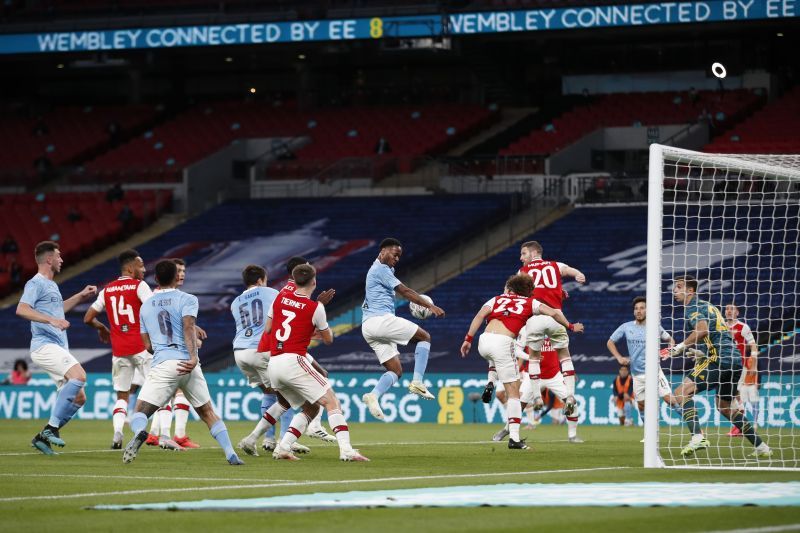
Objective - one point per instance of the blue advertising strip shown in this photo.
(587, 17)
(234, 400)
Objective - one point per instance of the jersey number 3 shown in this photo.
(285, 329)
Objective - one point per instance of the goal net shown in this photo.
(731, 223)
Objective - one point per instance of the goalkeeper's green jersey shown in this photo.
(720, 346)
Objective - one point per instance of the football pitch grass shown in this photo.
(39, 493)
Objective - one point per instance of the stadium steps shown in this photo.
(509, 118)
(533, 121)
(162, 225)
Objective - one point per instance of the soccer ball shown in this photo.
(417, 311)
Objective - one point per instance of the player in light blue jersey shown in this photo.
(249, 310)
(383, 331)
(42, 304)
(168, 330)
(635, 337)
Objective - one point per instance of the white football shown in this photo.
(417, 311)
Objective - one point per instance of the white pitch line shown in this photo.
(767, 529)
(321, 446)
(144, 478)
(305, 484)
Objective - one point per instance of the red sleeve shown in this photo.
(264, 342)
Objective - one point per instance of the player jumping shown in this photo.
(383, 331)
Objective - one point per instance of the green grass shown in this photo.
(440, 453)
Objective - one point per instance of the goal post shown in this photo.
(733, 222)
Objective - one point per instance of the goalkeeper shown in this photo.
(719, 368)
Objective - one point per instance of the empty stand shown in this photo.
(772, 130)
(96, 223)
(632, 109)
(62, 135)
(335, 133)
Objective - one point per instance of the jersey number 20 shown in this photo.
(547, 277)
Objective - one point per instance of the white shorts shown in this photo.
(254, 365)
(124, 368)
(638, 386)
(54, 360)
(383, 334)
(138, 377)
(748, 393)
(498, 350)
(293, 376)
(555, 385)
(163, 381)
(540, 326)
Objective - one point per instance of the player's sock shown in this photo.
(421, 354)
(339, 425)
(268, 421)
(181, 415)
(120, 413)
(491, 377)
(66, 407)
(535, 373)
(754, 407)
(132, 402)
(690, 416)
(155, 423)
(138, 423)
(294, 430)
(220, 433)
(514, 411)
(165, 420)
(286, 421)
(386, 381)
(266, 402)
(572, 426)
(568, 370)
(744, 425)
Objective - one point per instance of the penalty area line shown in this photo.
(305, 484)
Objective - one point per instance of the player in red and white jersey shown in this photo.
(546, 276)
(748, 383)
(505, 315)
(121, 300)
(293, 319)
(551, 380)
(314, 429)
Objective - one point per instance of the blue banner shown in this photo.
(417, 26)
(234, 400)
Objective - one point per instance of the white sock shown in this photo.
(514, 412)
(572, 426)
(181, 411)
(165, 420)
(568, 370)
(296, 429)
(269, 419)
(155, 423)
(491, 377)
(339, 426)
(120, 413)
(535, 373)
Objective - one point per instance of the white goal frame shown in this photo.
(755, 164)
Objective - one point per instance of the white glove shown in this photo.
(677, 349)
